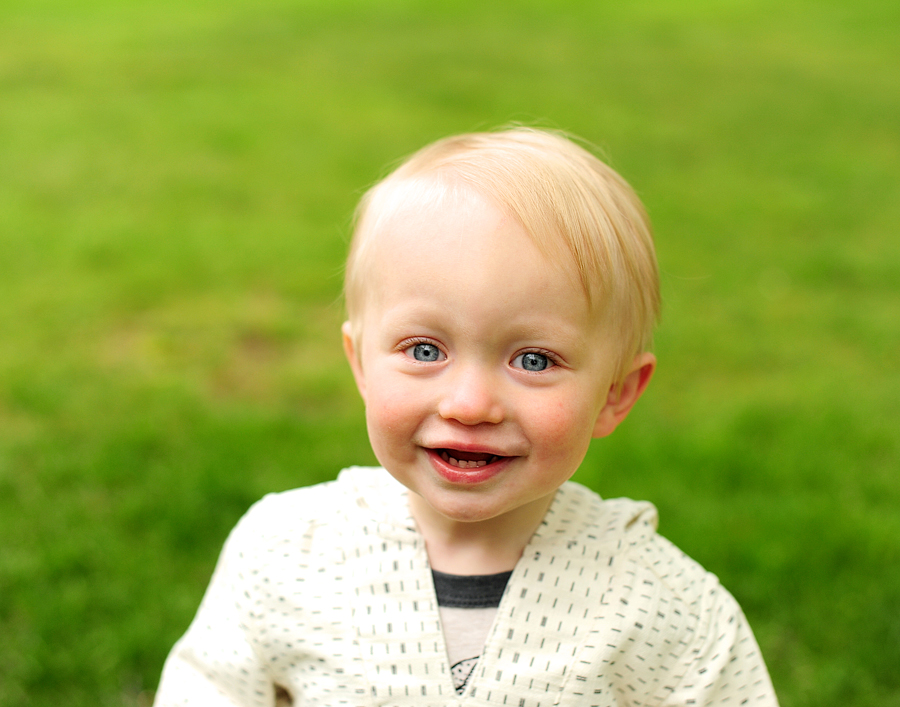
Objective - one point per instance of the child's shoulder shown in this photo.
(579, 516)
(623, 533)
(357, 495)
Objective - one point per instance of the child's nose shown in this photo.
(471, 397)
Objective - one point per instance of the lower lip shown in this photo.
(477, 475)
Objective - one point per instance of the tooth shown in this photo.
(464, 463)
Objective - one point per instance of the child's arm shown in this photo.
(216, 662)
(723, 664)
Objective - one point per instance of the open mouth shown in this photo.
(467, 460)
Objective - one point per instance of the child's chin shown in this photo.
(464, 510)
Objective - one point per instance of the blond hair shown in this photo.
(579, 212)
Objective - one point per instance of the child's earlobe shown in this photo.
(622, 397)
(353, 359)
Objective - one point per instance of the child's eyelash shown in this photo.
(406, 343)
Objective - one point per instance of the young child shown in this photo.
(501, 291)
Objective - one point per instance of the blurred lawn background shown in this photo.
(176, 183)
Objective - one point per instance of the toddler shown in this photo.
(501, 291)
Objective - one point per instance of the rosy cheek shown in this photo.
(386, 414)
(557, 419)
(561, 428)
(383, 416)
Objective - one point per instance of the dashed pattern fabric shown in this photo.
(326, 593)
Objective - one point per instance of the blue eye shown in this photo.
(532, 361)
(425, 352)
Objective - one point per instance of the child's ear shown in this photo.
(622, 397)
(353, 358)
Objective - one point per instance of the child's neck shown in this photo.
(476, 548)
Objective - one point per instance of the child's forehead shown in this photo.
(421, 216)
(421, 207)
(417, 198)
(461, 236)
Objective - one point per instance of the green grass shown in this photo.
(176, 181)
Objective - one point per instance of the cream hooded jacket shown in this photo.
(326, 592)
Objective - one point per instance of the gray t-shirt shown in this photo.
(467, 605)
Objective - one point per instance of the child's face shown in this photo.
(483, 372)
